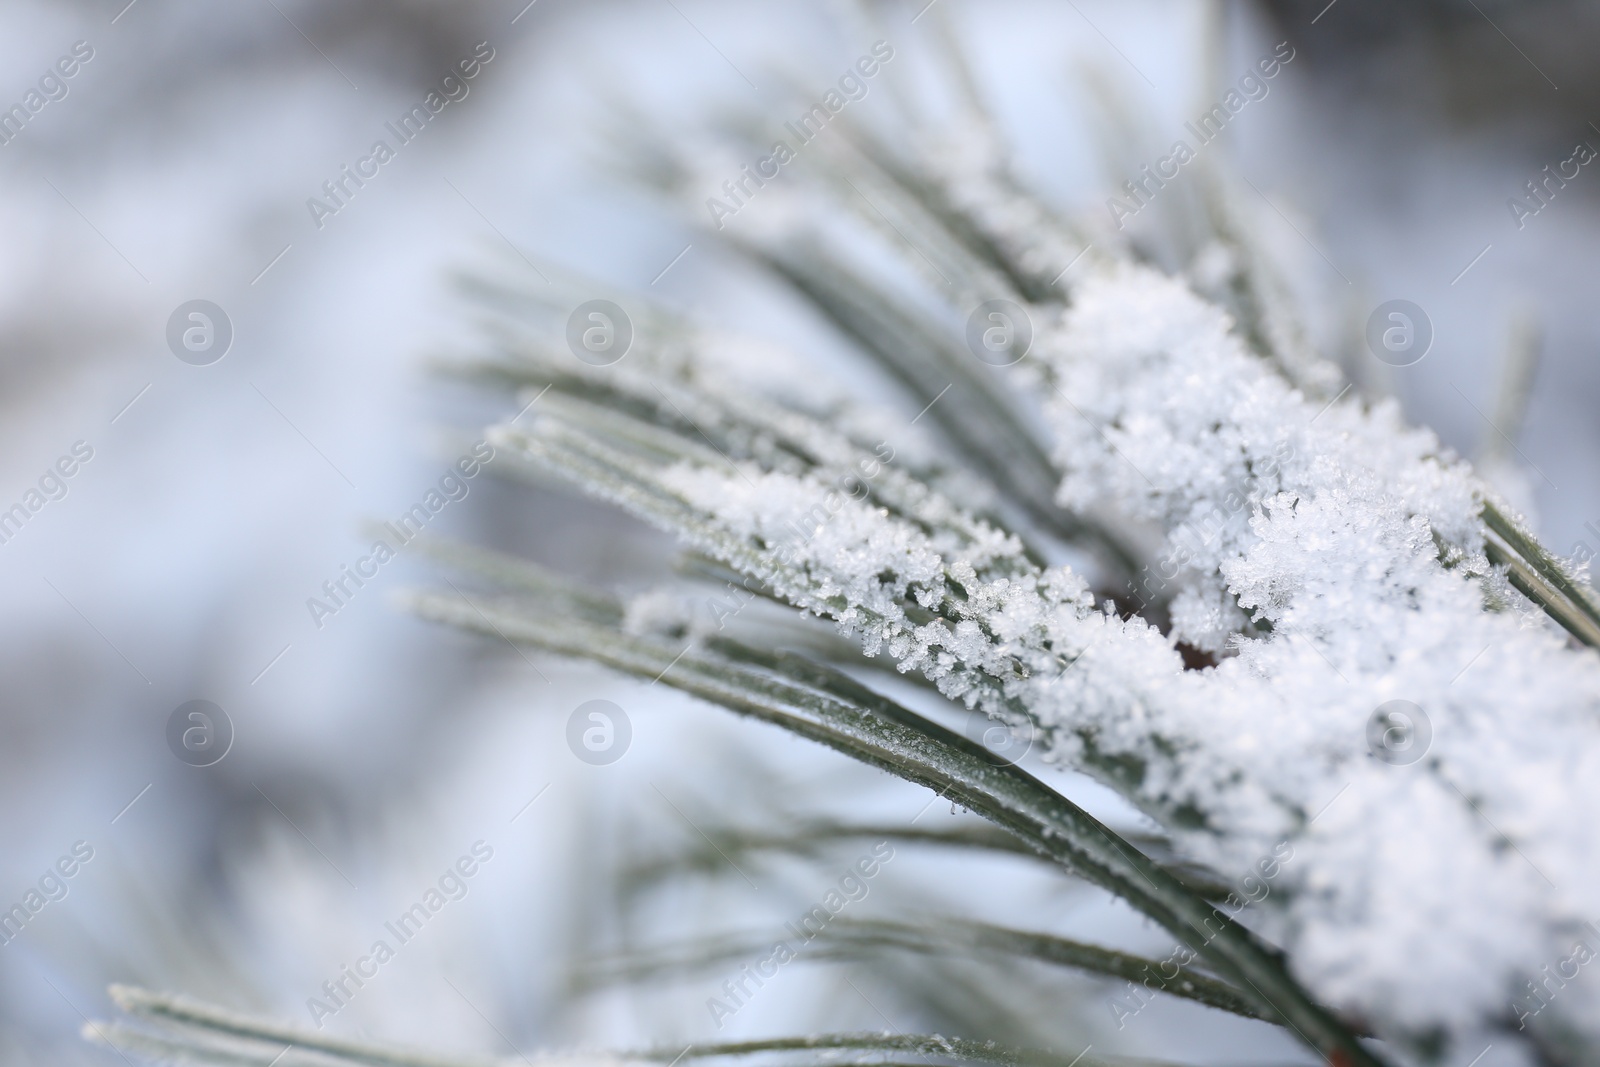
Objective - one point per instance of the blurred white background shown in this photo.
(373, 751)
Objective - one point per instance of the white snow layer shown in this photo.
(1333, 557)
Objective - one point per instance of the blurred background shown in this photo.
(369, 751)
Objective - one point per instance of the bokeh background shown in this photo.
(372, 751)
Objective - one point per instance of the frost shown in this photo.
(1330, 523)
(1329, 557)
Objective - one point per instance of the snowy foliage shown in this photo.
(1328, 556)
(1359, 542)
(1296, 559)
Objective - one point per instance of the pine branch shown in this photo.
(1540, 576)
(855, 939)
(210, 1034)
(871, 1047)
(895, 739)
(808, 839)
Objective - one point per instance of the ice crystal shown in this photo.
(1335, 557)
(1317, 560)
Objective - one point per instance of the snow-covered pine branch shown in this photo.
(1353, 538)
